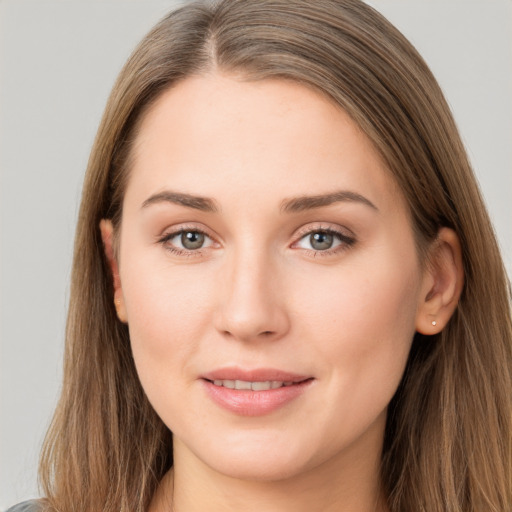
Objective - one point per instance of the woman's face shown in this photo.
(264, 245)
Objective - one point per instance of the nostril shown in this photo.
(262, 334)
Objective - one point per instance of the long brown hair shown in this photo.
(448, 436)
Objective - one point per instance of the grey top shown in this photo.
(26, 506)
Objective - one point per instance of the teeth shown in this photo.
(254, 386)
(242, 384)
(261, 386)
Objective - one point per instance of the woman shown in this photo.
(282, 258)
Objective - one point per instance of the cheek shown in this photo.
(167, 312)
(363, 321)
(361, 298)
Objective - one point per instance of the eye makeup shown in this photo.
(315, 241)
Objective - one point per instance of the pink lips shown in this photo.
(267, 394)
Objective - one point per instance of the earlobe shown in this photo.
(442, 283)
(107, 235)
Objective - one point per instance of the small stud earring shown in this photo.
(434, 323)
(118, 303)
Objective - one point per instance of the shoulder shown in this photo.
(26, 506)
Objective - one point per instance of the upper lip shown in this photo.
(254, 375)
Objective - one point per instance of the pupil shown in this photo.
(321, 241)
(192, 239)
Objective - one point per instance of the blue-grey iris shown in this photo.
(320, 241)
(192, 240)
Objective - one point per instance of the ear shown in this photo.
(442, 283)
(107, 235)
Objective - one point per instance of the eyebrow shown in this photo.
(299, 204)
(296, 204)
(203, 204)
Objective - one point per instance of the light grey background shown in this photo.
(58, 60)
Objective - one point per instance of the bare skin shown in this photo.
(262, 231)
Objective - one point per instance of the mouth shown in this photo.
(253, 385)
(255, 392)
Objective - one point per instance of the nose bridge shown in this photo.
(250, 307)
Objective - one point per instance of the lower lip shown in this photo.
(254, 403)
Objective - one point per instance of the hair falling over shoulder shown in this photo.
(448, 436)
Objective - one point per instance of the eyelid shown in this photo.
(324, 226)
(345, 236)
(186, 226)
(172, 231)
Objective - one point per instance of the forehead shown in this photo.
(214, 134)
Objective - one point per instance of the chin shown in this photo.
(262, 458)
(260, 469)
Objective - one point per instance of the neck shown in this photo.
(338, 485)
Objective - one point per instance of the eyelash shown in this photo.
(184, 252)
(345, 241)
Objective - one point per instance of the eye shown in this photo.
(192, 239)
(324, 240)
(187, 240)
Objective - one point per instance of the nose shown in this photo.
(252, 303)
